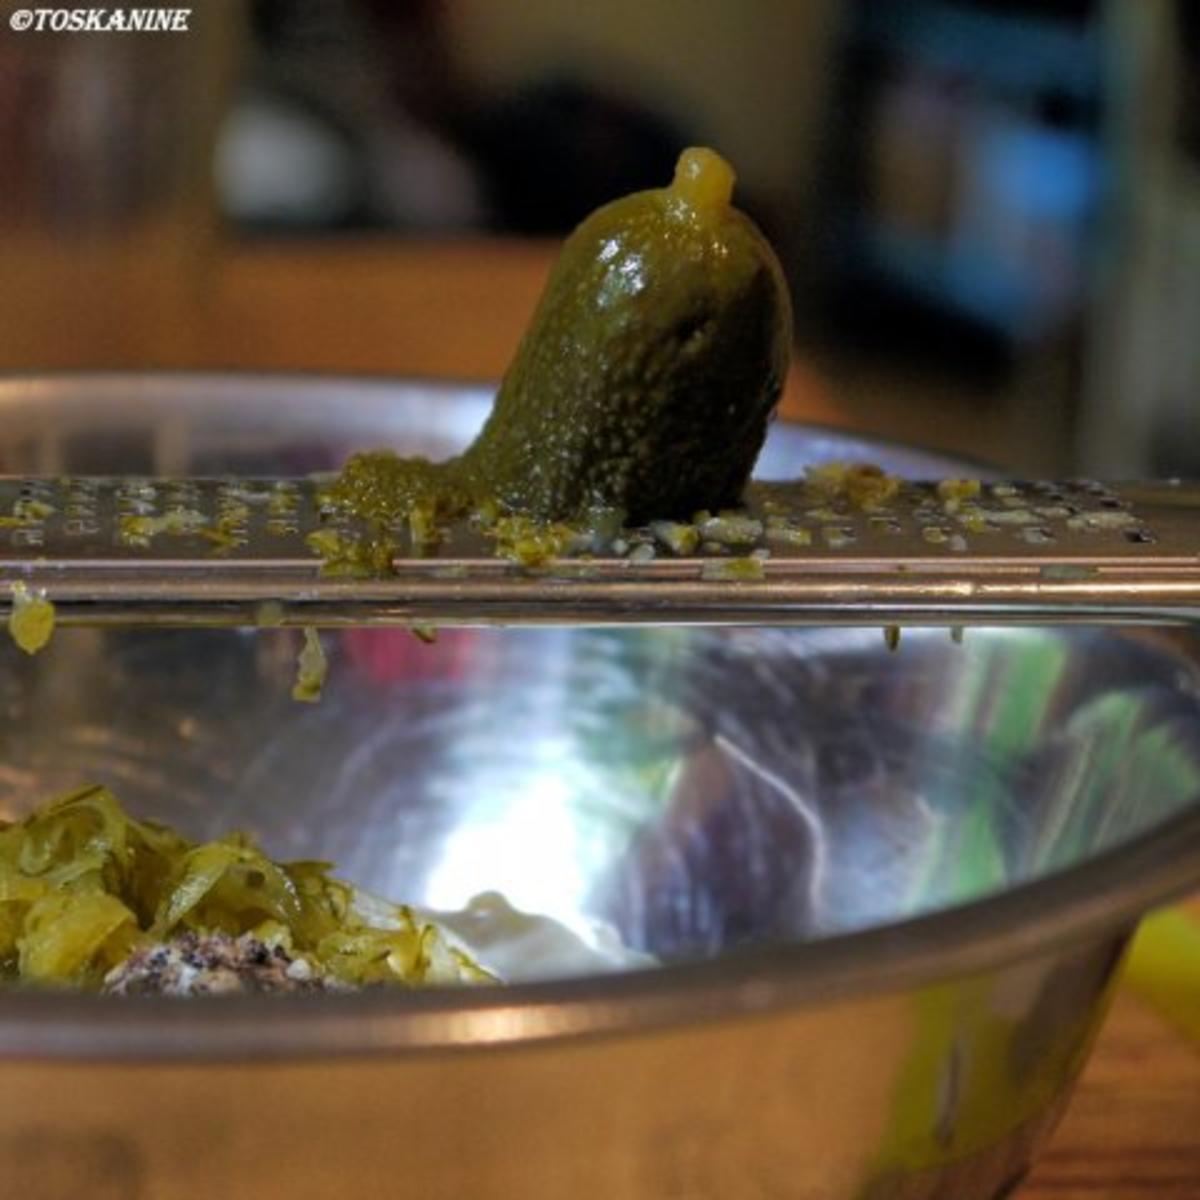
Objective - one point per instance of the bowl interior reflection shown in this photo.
(698, 789)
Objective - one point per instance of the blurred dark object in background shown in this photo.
(1141, 387)
(342, 121)
(365, 114)
(964, 177)
(558, 149)
(1188, 100)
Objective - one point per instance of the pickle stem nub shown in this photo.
(703, 180)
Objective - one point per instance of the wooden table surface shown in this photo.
(457, 309)
(1132, 1131)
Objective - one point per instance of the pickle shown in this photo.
(641, 391)
(652, 365)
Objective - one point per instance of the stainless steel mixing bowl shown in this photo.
(891, 889)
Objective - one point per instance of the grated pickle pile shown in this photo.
(84, 886)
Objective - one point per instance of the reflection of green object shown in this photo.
(979, 861)
(970, 1078)
(1115, 750)
(965, 859)
(633, 737)
(1012, 693)
(958, 1049)
(1164, 968)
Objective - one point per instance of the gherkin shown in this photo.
(653, 362)
(643, 385)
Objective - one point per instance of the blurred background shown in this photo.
(990, 212)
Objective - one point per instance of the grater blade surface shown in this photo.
(124, 550)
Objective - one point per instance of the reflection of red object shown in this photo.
(388, 655)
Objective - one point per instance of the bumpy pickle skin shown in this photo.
(652, 365)
(643, 385)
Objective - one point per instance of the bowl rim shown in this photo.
(1098, 899)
